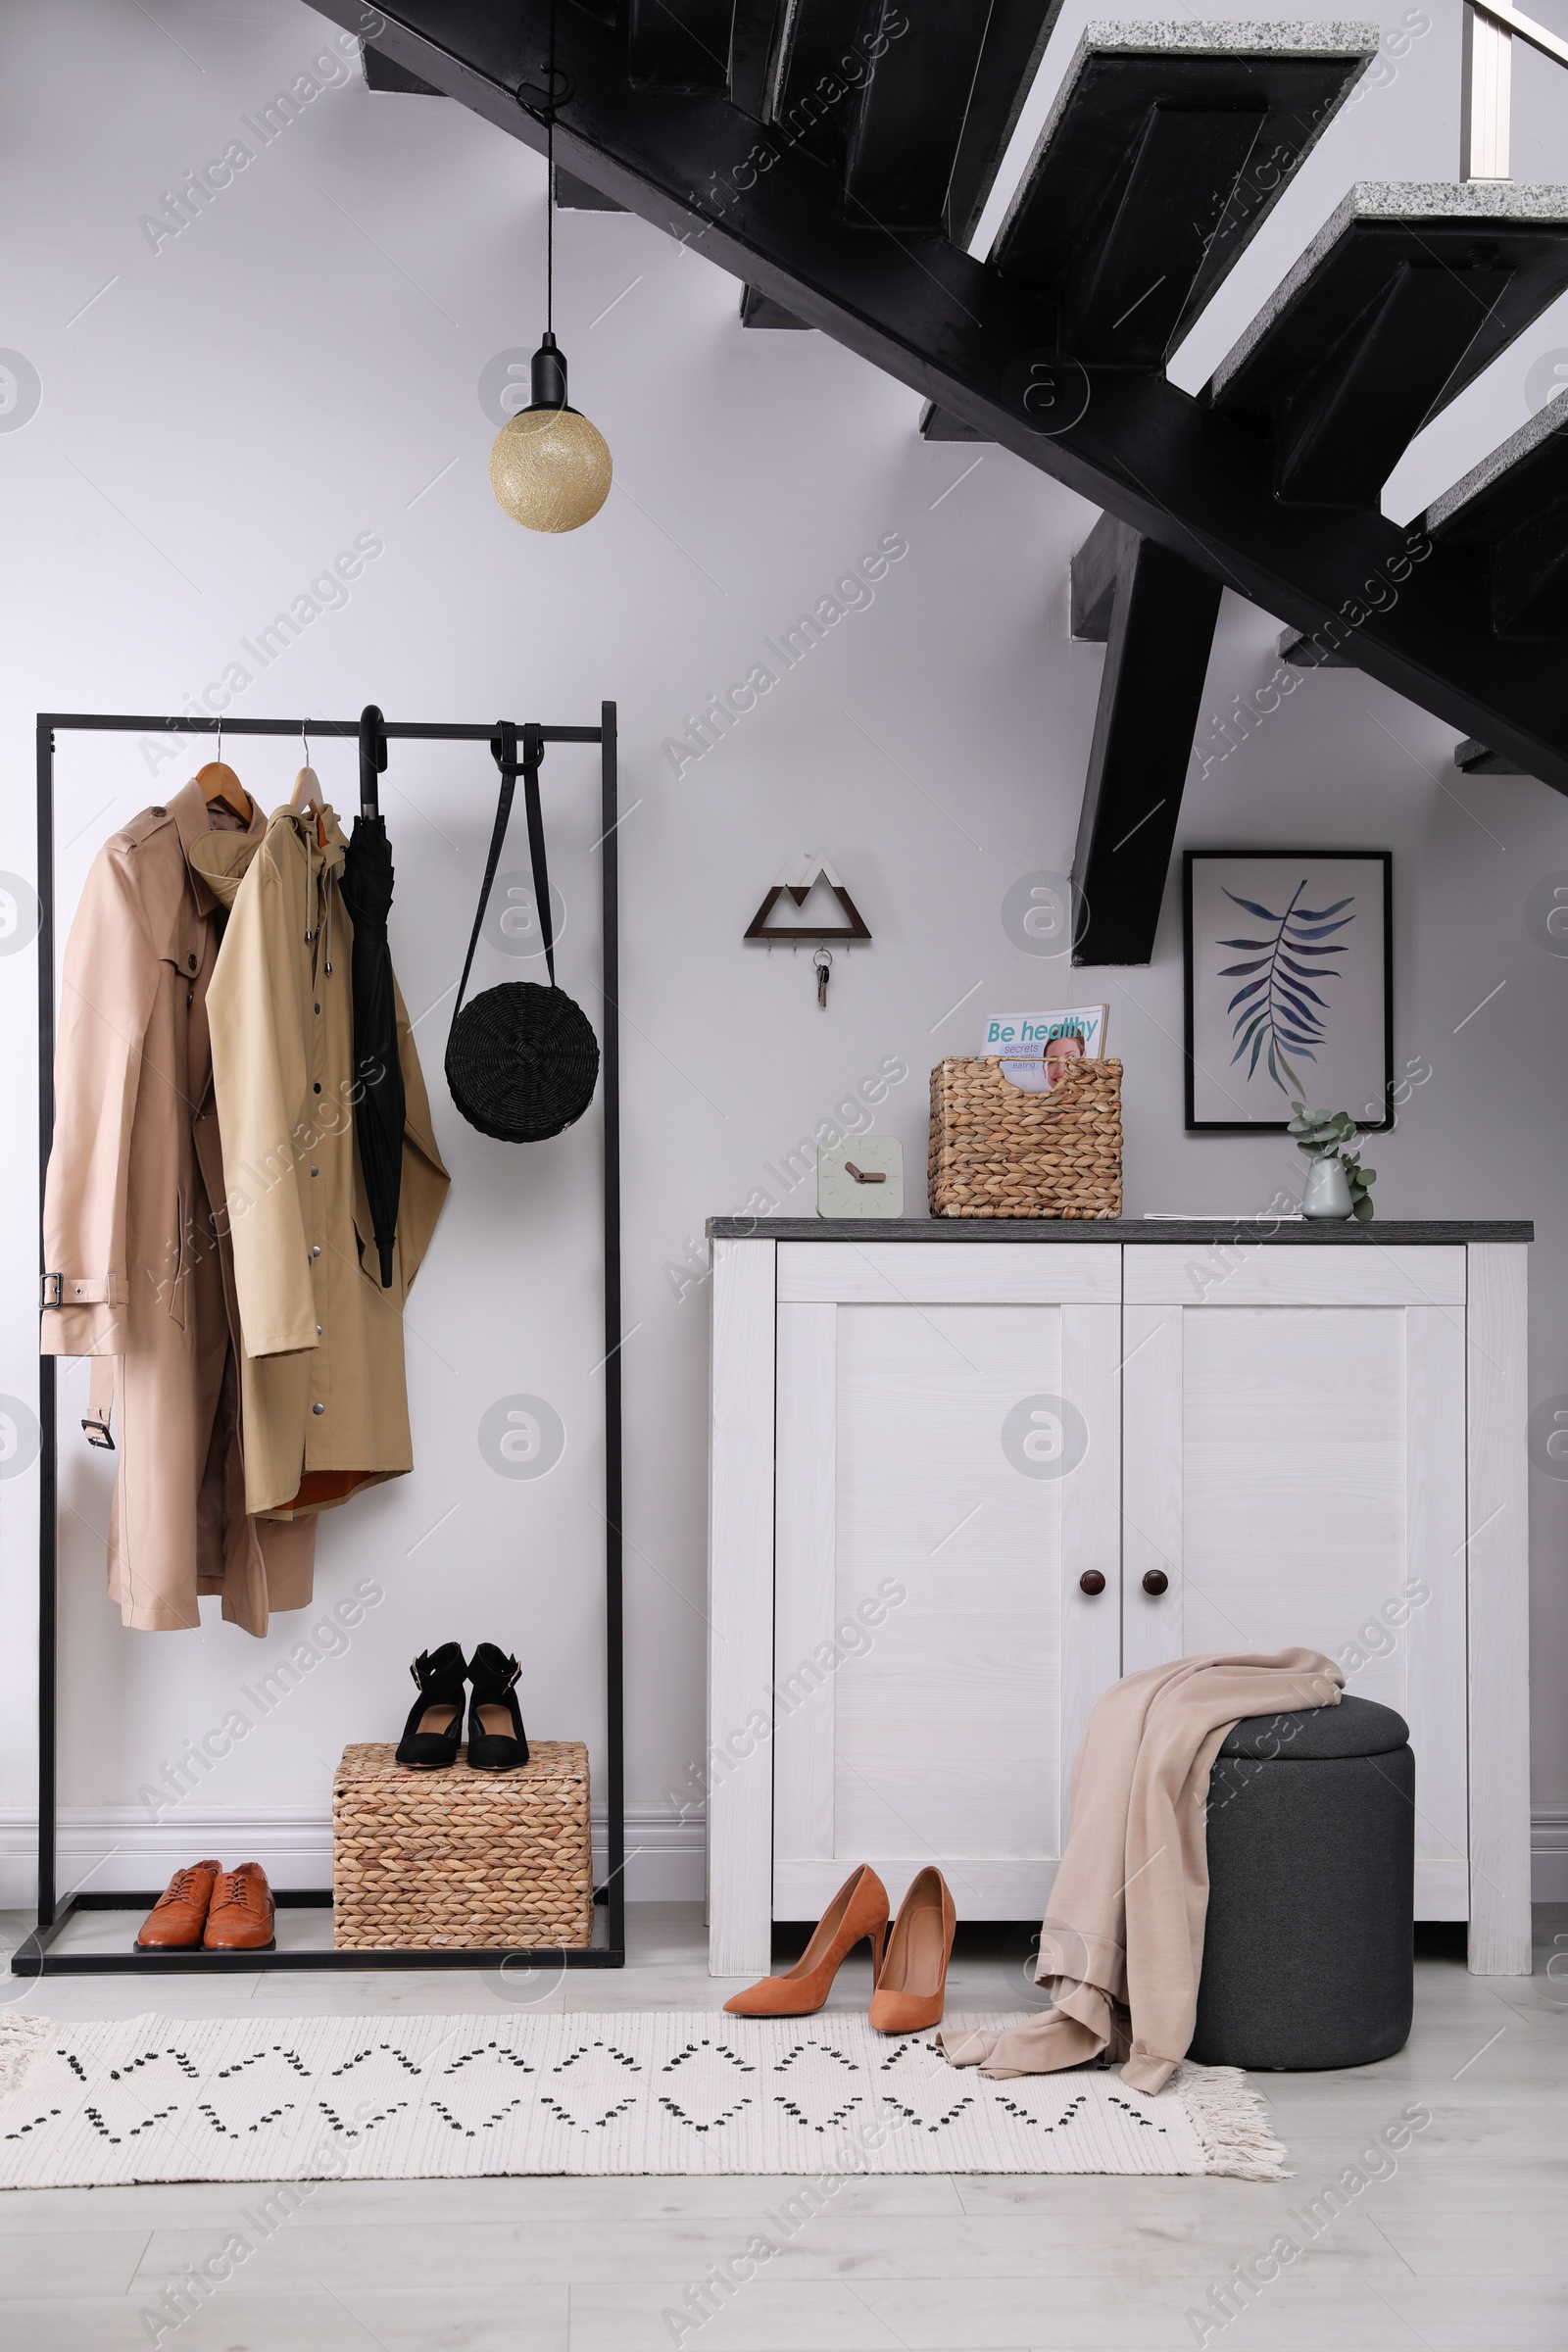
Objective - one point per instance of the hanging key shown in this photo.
(823, 961)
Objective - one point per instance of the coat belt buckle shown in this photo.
(98, 1433)
(52, 1290)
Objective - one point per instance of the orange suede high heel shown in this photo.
(913, 1980)
(860, 1908)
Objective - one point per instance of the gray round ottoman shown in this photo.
(1308, 1950)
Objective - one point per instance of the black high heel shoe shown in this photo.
(497, 1742)
(434, 1732)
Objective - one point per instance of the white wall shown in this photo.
(299, 366)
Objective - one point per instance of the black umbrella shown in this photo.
(379, 1103)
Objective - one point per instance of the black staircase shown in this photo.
(1153, 169)
(836, 155)
(760, 310)
(1511, 516)
(1399, 303)
(1157, 614)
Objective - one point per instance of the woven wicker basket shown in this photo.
(996, 1151)
(459, 1857)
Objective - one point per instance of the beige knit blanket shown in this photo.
(1122, 1943)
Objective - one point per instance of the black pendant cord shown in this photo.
(549, 185)
(543, 100)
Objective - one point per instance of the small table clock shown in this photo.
(862, 1178)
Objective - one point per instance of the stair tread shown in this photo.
(1424, 205)
(1163, 152)
(1530, 465)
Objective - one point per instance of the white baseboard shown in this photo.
(1548, 1854)
(112, 1848)
(116, 1847)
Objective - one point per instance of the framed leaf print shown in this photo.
(1289, 969)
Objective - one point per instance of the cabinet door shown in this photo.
(1296, 1471)
(947, 1466)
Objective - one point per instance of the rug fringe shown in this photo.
(21, 2039)
(1230, 2122)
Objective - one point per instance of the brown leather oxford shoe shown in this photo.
(175, 1920)
(240, 1919)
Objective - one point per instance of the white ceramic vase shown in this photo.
(1327, 1191)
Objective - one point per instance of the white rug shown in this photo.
(686, 2091)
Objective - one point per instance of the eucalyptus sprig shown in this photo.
(1334, 1135)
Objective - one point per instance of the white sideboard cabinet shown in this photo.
(964, 1476)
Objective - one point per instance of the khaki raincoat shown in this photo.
(325, 1400)
(133, 1276)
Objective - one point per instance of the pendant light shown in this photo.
(549, 466)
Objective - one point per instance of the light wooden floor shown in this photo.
(1465, 2243)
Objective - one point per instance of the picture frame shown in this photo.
(1264, 934)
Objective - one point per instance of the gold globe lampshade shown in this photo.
(549, 466)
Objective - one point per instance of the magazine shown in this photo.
(1035, 1048)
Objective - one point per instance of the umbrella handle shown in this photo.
(373, 759)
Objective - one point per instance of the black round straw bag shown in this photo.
(523, 1060)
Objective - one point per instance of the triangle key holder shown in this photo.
(799, 882)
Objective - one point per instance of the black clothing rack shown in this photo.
(42, 1954)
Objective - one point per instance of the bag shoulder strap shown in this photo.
(533, 750)
(504, 748)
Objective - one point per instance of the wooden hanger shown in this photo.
(306, 792)
(219, 783)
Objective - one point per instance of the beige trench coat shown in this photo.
(326, 1398)
(133, 1278)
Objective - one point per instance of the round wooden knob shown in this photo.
(1091, 1581)
(1156, 1581)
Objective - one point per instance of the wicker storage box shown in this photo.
(998, 1151)
(459, 1857)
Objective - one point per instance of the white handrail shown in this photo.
(1488, 30)
(1551, 45)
